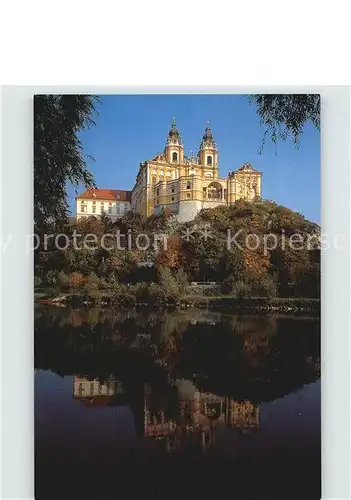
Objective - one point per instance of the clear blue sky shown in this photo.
(133, 128)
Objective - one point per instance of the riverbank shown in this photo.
(225, 302)
(259, 304)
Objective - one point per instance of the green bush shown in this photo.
(241, 290)
(142, 293)
(173, 285)
(51, 277)
(158, 294)
(37, 281)
(53, 292)
(268, 287)
(92, 284)
(182, 281)
(63, 281)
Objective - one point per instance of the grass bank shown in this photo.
(258, 304)
(220, 302)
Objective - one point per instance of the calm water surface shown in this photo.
(180, 403)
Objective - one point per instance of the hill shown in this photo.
(248, 249)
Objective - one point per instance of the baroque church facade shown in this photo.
(180, 184)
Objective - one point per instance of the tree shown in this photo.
(58, 152)
(171, 256)
(285, 115)
(77, 281)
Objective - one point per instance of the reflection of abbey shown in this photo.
(85, 388)
(199, 412)
(175, 182)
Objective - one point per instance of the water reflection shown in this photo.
(198, 415)
(117, 391)
(93, 392)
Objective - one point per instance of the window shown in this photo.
(214, 191)
(174, 157)
(110, 208)
(118, 208)
(209, 160)
(172, 198)
(188, 186)
(172, 189)
(94, 207)
(83, 206)
(188, 195)
(154, 179)
(91, 388)
(102, 208)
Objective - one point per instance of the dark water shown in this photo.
(176, 404)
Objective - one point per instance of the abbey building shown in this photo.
(180, 184)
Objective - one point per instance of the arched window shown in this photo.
(214, 191)
(209, 160)
(174, 157)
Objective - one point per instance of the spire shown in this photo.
(208, 139)
(173, 134)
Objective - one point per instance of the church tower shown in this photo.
(208, 153)
(174, 150)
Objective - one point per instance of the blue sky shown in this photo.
(133, 128)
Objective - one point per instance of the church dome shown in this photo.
(173, 134)
(208, 139)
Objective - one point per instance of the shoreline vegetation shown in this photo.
(224, 302)
(194, 268)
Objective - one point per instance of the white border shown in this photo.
(17, 274)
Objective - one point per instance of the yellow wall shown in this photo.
(162, 176)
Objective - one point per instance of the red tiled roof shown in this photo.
(106, 194)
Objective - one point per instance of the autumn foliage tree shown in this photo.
(77, 281)
(171, 256)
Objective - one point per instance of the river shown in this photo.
(176, 403)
